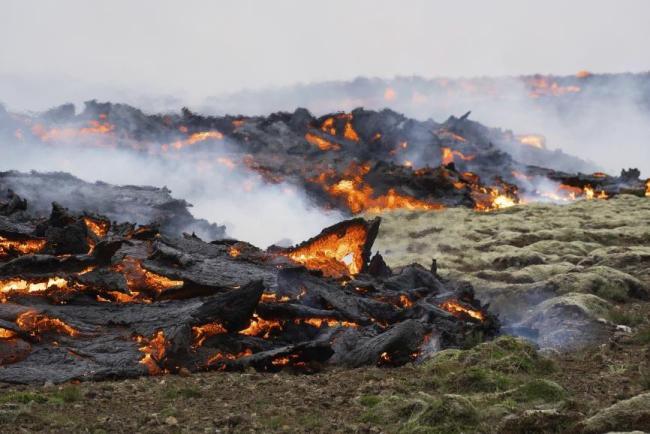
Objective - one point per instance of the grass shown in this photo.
(182, 392)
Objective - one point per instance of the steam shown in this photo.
(606, 124)
(221, 193)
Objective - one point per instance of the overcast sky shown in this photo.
(199, 48)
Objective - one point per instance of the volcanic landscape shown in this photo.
(467, 282)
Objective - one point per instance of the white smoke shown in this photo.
(252, 210)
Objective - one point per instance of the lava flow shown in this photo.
(456, 308)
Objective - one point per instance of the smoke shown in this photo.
(606, 124)
(220, 190)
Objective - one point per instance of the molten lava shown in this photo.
(97, 227)
(24, 286)
(37, 323)
(23, 247)
(448, 156)
(323, 145)
(534, 140)
(335, 254)
(201, 333)
(457, 309)
(261, 327)
(154, 350)
(139, 279)
(196, 138)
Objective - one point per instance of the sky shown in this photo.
(192, 49)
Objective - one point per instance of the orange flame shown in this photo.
(647, 188)
(454, 307)
(196, 138)
(234, 251)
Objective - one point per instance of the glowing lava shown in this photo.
(457, 309)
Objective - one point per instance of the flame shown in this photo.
(97, 227)
(154, 350)
(137, 278)
(647, 188)
(234, 251)
(36, 323)
(323, 145)
(533, 140)
(454, 307)
(390, 94)
(448, 156)
(260, 327)
(335, 254)
(590, 193)
(201, 333)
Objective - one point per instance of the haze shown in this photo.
(55, 51)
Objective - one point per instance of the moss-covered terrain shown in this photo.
(567, 268)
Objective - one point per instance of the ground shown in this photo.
(565, 267)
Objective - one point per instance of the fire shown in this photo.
(234, 251)
(23, 247)
(328, 126)
(323, 145)
(454, 307)
(448, 156)
(154, 350)
(492, 198)
(335, 254)
(198, 137)
(647, 188)
(534, 140)
(24, 286)
(97, 227)
(590, 193)
(201, 333)
(390, 94)
(260, 327)
(36, 323)
(137, 278)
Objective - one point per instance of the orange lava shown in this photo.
(24, 247)
(260, 327)
(154, 350)
(139, 279)
(454, 307)
(448, 156)
(323, 145)
(335, 254)
(97, 227)
(533, 140)
(36, 323)
(201, 333)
